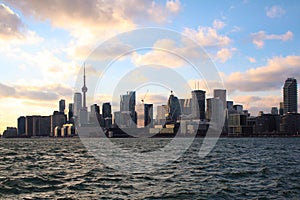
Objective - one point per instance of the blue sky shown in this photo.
(43, 44)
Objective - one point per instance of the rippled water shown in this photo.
(237, 168)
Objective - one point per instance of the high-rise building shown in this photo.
(106, 115)
(198, 104)
(144, 115)
(21, 126)
(37, 125)
(127, 102)
(94, 117)
(62, 106)
(214, 110)
(127, 109)
(229, 105)
(174, 110)
(77, 104)
(57, 120)
(106, 110)
(161, 114)
(238, 108)
(71, 113)
(41, 126)
(221, 94)
(29, 126)
(274, 111)
(186, 106)
(290, 96)
(281, 108)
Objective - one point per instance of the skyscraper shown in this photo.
(144, 115)
(127, 102)
(214, 109)
(106, 115)
(77, 103)
(198, 104)
(127, 109)
(62, 106)
(221, 94)
(274, 111)
(281, 108)
(71, 113)
(162, 112)
(174, 110)
(21, 126)
(290, 96)
(58, 119)
(94, 115)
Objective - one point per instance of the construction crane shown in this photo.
(143, 99)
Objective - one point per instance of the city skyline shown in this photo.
(42, 50)
(140, 115)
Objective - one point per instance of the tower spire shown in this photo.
(84, 88)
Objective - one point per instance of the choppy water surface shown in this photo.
(237, 168)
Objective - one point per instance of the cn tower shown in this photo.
(84, 90)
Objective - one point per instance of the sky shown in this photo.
(254, 45)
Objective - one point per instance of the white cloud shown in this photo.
(209, 36)
(275, 11)
(224, 54)
(167, 52)
(93, 21)
(259, 37)
(173, 6)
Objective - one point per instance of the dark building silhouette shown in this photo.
(71, 114)
(41, 126)
(267, 124)
(106, 115)
(62, 106)
(290, 95)
(10, 132)
(281, 108)
(174, 110)
(37, 125)
(229, 106)
(198, 104)
(290, 124)
(21, 126)
(29, 126)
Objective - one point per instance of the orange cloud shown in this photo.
(268, 77)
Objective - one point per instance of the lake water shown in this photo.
(237, 168)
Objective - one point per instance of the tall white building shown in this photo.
(221, 94)
(77, 104)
